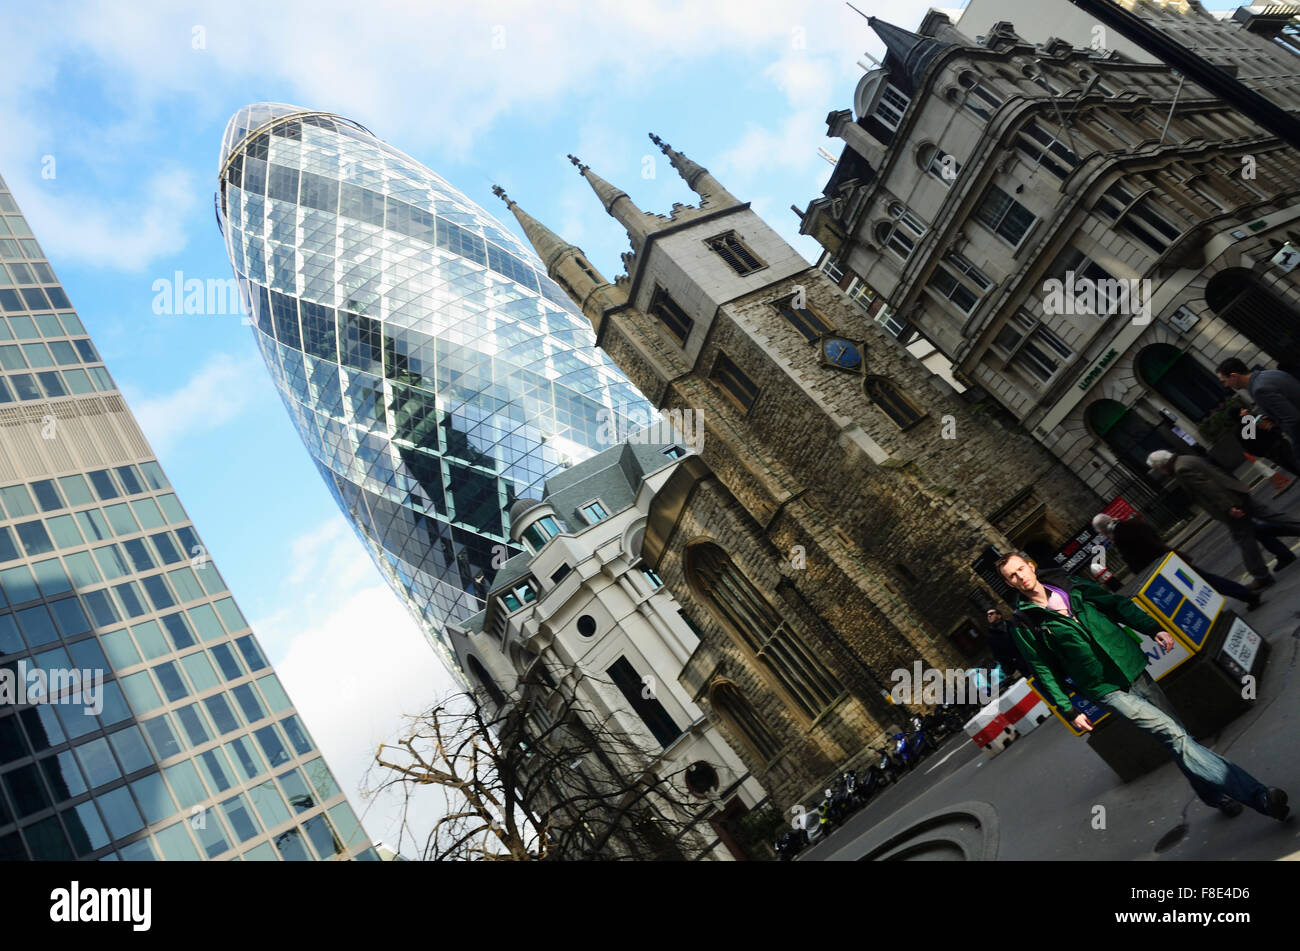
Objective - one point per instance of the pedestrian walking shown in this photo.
(1004, 647)
(1267, 442)
(1275, 392)
(1250, 522)
(1067, 627)
(1140, 545)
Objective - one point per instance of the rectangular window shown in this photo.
(892, 403)
(733, 382)
(1043, 148)
(653, 577)
(981, 102)
(893, 103)
(671, 316)
(650, 710)
(594, 512)
(1033, 349)
(809, 324)
(732, 250)
(1005, 216)
(828, 267)
(943, 283)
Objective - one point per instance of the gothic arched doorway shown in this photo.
(1242, 299)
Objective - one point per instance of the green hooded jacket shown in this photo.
(1092, 649)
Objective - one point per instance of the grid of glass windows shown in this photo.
(434, 372)
(137, 668)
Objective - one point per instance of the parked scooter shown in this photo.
(790, 843)
(875, 777)
(845, 799)
(910, 746)
(887, 769)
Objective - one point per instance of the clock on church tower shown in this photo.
(841, 353)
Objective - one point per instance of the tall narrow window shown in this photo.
(1005, 216)
(1136, 216)
(734, 382)
(486, 682)
(735, 601)
(940, 164)
(732, 250)
(893, 103)
(1044, 149)
(1031, 348)
(649, 709)
(671, 316)
(736, 711)
(892, 402)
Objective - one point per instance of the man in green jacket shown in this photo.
(1071, 628)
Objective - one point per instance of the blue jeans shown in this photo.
(1213, 778)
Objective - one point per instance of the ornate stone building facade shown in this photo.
(1084, 237)
(827, 530)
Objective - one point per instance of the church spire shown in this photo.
(696, 176)
(620, 206)
(911, 52)
(566, 264)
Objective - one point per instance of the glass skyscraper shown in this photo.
(139, 719)
(434, 371)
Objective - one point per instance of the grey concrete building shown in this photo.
(581, 605)
(1084, 237)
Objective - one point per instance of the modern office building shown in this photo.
(139, 719)
(434, 371)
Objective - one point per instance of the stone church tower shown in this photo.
(827, 532)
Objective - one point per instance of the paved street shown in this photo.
(1040, 794)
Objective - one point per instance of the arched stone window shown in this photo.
(1241, 299)
(485, 680)
(892, 402)
(1177, 376)
(741, 607)
(737, 712)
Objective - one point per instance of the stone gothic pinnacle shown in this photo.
(619, 206)
(696, 176)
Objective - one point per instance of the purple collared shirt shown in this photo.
(1064, 597)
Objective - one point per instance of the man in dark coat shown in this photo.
(1229, 501)
(1004, 647)
(1275, 392)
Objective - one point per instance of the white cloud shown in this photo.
(220, 391)
(433, 77)
(124, 233)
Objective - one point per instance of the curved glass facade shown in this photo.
(434, 371)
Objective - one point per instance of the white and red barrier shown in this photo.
(1023, 707)
(1016, 712)
(990, 730)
